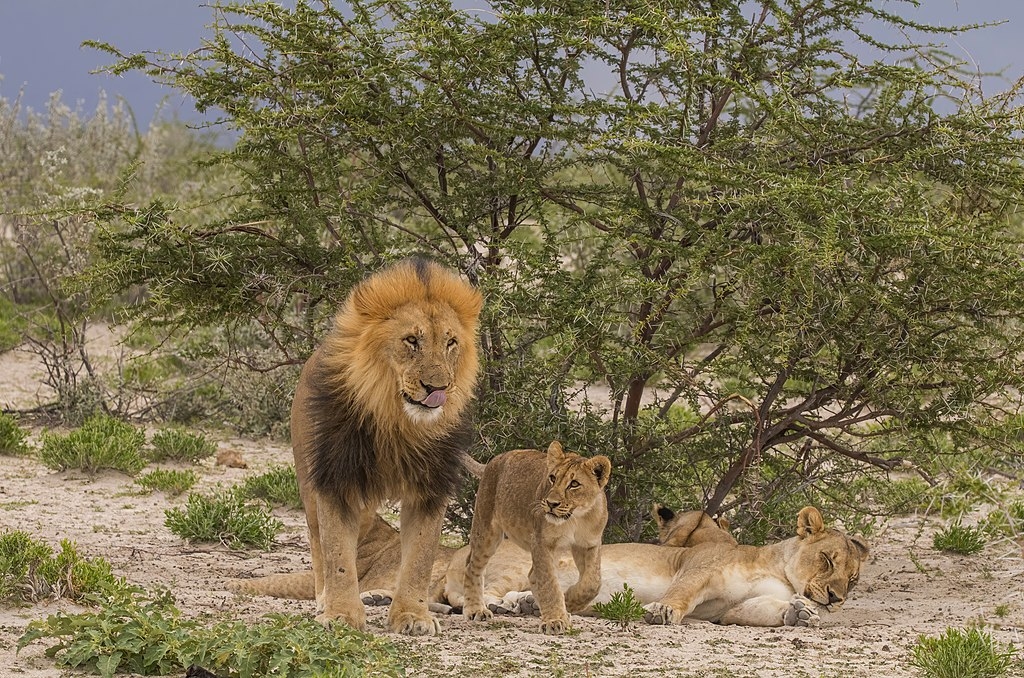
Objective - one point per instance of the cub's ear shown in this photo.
(602, 468)
(662, 514)
(808, 522)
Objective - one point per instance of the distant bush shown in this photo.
(13, 438)
(175, 444)
(227, 518)
(102, 442)
(959, 539)
(961, 653)
(277, 486)
(30, 571)
(172, 482)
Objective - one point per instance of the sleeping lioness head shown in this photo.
(827, 562)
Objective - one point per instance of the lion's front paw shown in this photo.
(476, 612)
(377, 597)
(801, 612)
(660, 613)
(555, 626)
(413, 624)
(329, 619)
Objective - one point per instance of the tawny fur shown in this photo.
(713, 579)
(380, 414)
(545, 503)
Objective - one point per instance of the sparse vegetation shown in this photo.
(102, 442)
(31, 572)
(623, 608)
(227, 518)
(959, 653)
(169, 481)
(13, 438)
(957, 538)
(175, 444)
(148, 635)
(278, 486)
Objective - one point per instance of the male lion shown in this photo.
(379, 413)
(543, 503)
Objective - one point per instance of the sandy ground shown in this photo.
(907, 589)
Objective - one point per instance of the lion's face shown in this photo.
(426, 351)
(576, 484)
(827, 562)
(406, 345)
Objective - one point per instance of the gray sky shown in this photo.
(40, 45)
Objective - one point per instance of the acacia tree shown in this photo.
(784, 262)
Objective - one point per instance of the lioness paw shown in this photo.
(474, 613)
(410, 624)
(801, 612)
(659, 613)
(554, 627)
(376, 598)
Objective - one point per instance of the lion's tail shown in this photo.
(295, 586)
(472, 465)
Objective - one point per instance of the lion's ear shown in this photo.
(809, 521)
(602, 468)
(662, 514)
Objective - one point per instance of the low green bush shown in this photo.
(959, 653)
(172, 482)
(957, 538)
(148, 635)
(279, 486)
(13, 438)
(30, 571)
(173, 444)
(102, 442)
(227, 518)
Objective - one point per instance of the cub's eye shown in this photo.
(574, 484)
(411, 340)
(552, 478)
(452, 342)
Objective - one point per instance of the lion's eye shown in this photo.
(552, 478)
(412, 340)
(574, 484)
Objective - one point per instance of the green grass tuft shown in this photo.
(279, 486)
(172, 482)
(959, 539)
(227, 518)
(959, 653)
(173, 444)
(13, 438)
(30, 571)
(102, 442)
(623, 608)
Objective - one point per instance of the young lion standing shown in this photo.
(379, 414)
(544, 503)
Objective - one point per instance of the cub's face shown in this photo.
(576, 484)
(427, 347)
(828, 567)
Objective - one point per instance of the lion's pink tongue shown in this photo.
(435, 399)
